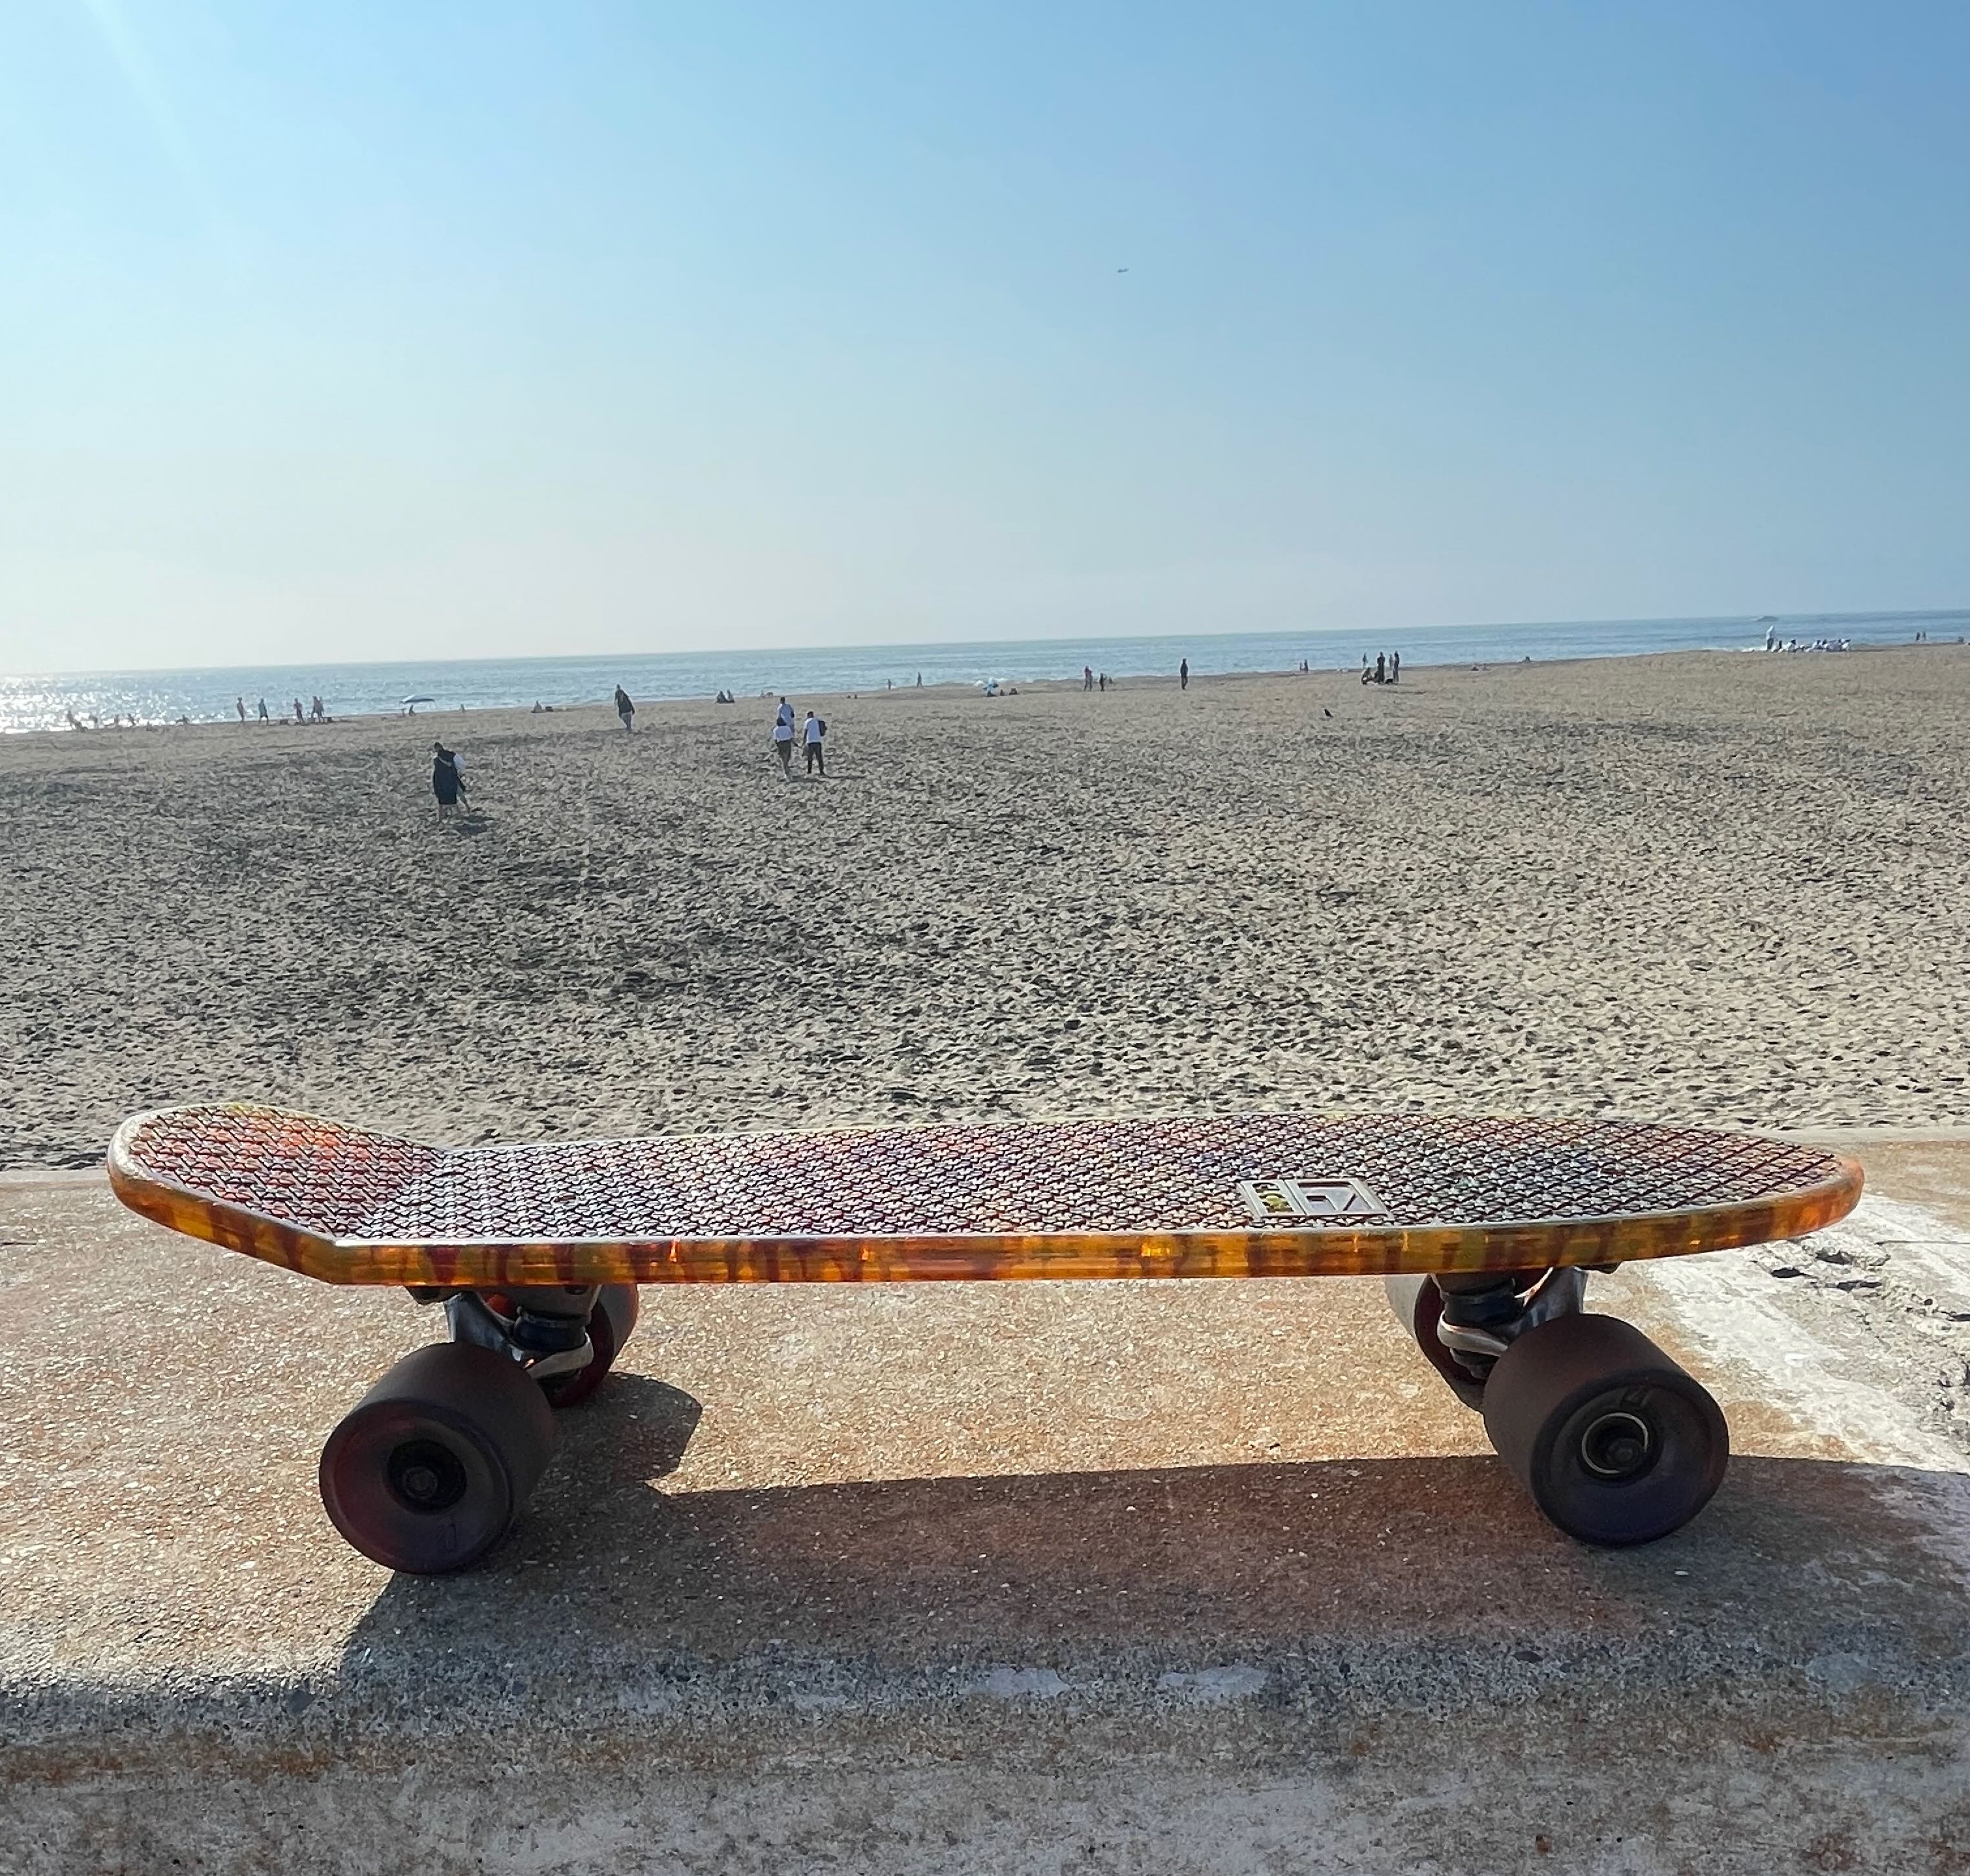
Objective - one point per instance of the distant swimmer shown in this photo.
(625, 709)
(783, 737)
(811, 733)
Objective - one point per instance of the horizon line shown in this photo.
(955, 645)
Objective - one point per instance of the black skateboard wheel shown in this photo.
(1616, 1443)
(610, 1324)
(1418, 1306)
(427, 1471)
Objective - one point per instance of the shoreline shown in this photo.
(1135, 680)
(366, 689)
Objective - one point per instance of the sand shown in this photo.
(1709, 886)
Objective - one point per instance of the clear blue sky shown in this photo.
(381, 328)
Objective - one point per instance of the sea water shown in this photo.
(346, 690)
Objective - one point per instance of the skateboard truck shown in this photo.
(1484, 1313)
(1464, 1322)
(544, 1330)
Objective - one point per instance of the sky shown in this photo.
(468, 329)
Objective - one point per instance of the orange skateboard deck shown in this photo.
(1255, 1195)
(1484, 1230)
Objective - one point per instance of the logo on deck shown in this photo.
(1311, 1201)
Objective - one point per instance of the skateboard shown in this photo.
(1484, 1229)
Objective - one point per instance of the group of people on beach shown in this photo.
(1774, 643)
(315, 712)
(119, 721)
(809, 734)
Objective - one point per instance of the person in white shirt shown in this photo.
(783, 737)
(812, 732)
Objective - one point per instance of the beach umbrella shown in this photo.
(420, 700)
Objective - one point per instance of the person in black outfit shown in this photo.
(446, 783)
(624, 708)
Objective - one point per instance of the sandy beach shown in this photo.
(1709, 886)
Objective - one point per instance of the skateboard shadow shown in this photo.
(638, 1429)
(1184, 1565)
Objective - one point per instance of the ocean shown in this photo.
(45, 703)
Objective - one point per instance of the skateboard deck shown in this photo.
(1272, 1195)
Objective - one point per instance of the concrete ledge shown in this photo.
(1210, 1576)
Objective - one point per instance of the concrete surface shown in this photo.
(1086, 1577)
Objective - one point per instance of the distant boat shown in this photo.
(1766, 618)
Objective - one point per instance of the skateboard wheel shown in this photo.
(610, 1324)
(1418, 1304)
(1615, 1442)
(427, 1471)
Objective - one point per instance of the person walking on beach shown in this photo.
(1183, 674)
(264, 717)
(447, 783)
(1088, 676)
(812, 732)
(783, 737)
(239, 704)
(1395, 667)
(625, 709)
